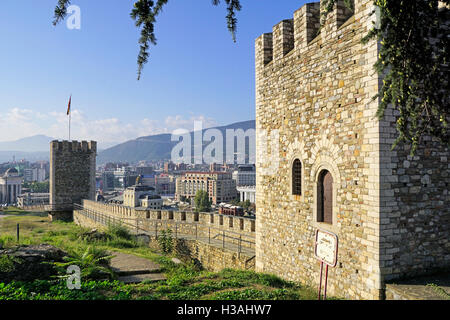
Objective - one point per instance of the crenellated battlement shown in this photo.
(314, 87)
(298, 32)
(72, 173)
(74, 146)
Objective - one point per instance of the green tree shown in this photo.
(414, 59)
(202, 202)
(246, 204)
(38, 187)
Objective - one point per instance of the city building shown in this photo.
(10, 186)
(219, 185)
(215, 167)
(169, 166)
(247, 193)
(165, 184)
(144, 170)
(124, 177)
(245, 175)
(108, 181)
(34, 175)
(33, 199)
(142, 196)
(230, 210)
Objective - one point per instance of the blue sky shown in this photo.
(195, 72)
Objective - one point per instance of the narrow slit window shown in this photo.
(297, 178)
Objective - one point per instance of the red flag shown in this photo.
(68, 107)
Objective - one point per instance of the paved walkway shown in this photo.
(435, 287)
(133, 269)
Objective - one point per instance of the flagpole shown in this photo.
(69, 113)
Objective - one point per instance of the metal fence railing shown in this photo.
(180, 229)
(46, 207)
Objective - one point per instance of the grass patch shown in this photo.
(184, 281)
(57, 290)
(13, 211)
(118, 231)
(440, 291)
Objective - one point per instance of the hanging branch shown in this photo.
(414, 64)
(144, 13)
(413, 59)
(60, 11)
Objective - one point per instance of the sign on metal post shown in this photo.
(325, 250)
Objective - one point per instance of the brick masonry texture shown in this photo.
(210, 257)
(390, 210)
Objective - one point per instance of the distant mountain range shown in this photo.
(150, 148)
(156, 147)
(31, 148)
(37, 143)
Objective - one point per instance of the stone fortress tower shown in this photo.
(72, 173)
(336, 171)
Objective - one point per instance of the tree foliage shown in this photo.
(38, 187)
(414, 64)
(202, 202)
(413, 59)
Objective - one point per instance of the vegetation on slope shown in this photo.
(184, 281)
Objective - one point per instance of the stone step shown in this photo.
(142, 277)
(127, 265)
(134, 272)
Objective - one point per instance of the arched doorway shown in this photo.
(325, 197)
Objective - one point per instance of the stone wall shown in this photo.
(390, 210)
(237, 230)
(201, 224)
(211, 257)
(85, 222)
(72, 173)
(318, 96)
(414, 206)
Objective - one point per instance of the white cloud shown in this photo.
(17, 115)
(18, 123)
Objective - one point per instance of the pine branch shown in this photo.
(60, 11)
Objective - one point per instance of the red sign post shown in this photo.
(325, 250)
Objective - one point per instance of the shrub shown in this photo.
(119, 231)
(7, 263)
(6, 240)
(165, 241)
(93, 262)
(57, 290)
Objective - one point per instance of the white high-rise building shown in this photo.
(34, 175)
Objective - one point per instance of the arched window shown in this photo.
(325, 198)
(297, 177)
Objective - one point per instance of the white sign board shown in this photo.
(326, 247)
